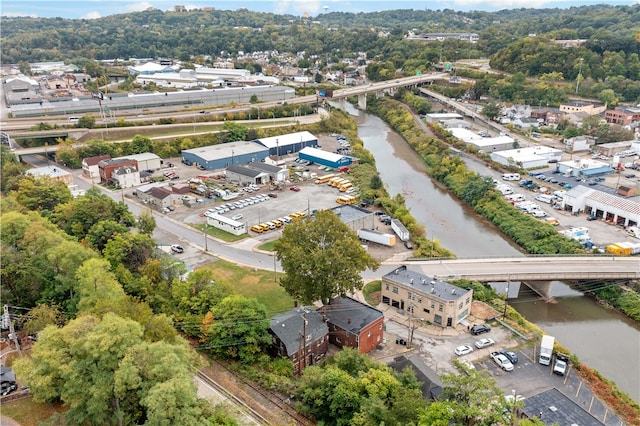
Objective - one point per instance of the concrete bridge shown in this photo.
(532, 268)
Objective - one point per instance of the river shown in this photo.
(602, 339)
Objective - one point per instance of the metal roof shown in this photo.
(350, 314)
(288, 139)
(225, 150)
(325, 155)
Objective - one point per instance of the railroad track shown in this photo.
(243, 408)
(274, 399)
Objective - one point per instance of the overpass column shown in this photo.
(362, 101)
(343, 104)
(379, 94)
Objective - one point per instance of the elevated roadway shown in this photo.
(533, 268)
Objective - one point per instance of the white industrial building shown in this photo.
(488, 145)
(288, 144)
(603, 206)
(146, 160)
(226, 224)
(527, 158)
(244, 174)
(584, 167)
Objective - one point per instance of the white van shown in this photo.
(511, 176)
(545, 198)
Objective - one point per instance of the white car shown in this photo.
(502, 361)
(483, 343)
(237, 216)
(538, 213)
(463, 350)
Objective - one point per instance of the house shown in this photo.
(106, 167)
(90, 168)
(353, 324)
(580, 143)
(430, 383)
(125, 177)
(426, 298)
(157, 196)
(301, 335)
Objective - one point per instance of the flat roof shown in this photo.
(444, 116)
(425, 283)
(288, 139)
(554, 407)
(498, 140)
(225, 150)
(145, 156)
(349, 213)
(319, 153)
(48, 171)
(584, 164)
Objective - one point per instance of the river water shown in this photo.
(602, 339)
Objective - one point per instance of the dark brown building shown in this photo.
(300, 335)
(353, 324)
(106, 167)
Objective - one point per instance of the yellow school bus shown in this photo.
(346, 199)
(325, 178)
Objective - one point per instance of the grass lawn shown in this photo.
(249, 282)
(371, 292)
(219, 233)
(29, 413)
(268, 246)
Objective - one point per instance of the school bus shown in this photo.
(333, 179)
(257, 228)
(346, 199)
(338, 182)
(345, 186)
(325, 178)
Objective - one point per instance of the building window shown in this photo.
(386, 287)
(410, 296)
(419, 299)
(410, 308)
(395, 289)
(368, 333)
(467, 301)
(460, 305)
(433, 305)
(427, 310)
(440, 308)
(437, 319)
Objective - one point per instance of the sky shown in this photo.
(92, 9)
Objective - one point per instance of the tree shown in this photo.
(103, 370)
(141, 144)
(322, 258)
(239, 329)
(146, 222)
(129, 250)
(491, 110)
(608, 97)
(40, 317)
(41, 193)
(86, 122)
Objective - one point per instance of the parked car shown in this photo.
(479, 329)
(511, 356)
(483, 343)
(463, 350)
(409, 245)
(294, 188)
(177, 248)
(237, 216)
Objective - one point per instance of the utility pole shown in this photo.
(410, 336)
(12, 331)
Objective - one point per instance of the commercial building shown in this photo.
(144, 161)
(288, 144)
(600, 205)
(488, 145)
(52, 172)
(226, 224)
(585, 168)
(527, 158)
(425, 298)
(300, 335)
(245, 175)
(106, 167)
(622, 115)
(355, 217)
(353, 324)
(221, 156)
(324, 158)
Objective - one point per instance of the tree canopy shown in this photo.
(322, 258)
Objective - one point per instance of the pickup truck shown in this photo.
(560, 366)
(502, 361)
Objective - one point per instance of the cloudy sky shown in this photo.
(97, 8)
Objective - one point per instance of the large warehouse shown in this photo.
(324, 158)
(527, 158)
(221, 156)
(601, 205)
(355, 217)
(288, 144)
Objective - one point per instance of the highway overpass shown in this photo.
(532, 268)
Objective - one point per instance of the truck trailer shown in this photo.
(377, 237)
(400, 230)
(546, 349)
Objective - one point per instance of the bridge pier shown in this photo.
(542, 288)
(362, 101)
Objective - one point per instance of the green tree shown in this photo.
(235, 131)
(239, 329)
(42, 316)
(41, 193)
(322, 258)
(129, 250)
(141, 144)
(491, 110)
(106, 374)
(102, 232)
(146, 222)
(86, 122)
(608, 97)
(376, 182)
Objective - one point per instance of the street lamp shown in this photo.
(579, 75)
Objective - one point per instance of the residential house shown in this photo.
(353, 324)
(160, 197)
(301, 335)
(90, 168)
(106, 167)
(426, 298)
(125, 177)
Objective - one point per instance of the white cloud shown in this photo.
(91, 15)
(138, 7)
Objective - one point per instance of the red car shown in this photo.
(294, 188)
